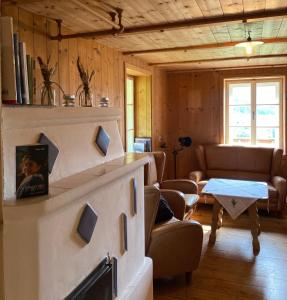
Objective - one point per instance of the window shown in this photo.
(130, 126)
(137, 105)
(254, 112)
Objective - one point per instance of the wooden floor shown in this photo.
(228, 270)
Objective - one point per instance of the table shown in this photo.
(236, 196)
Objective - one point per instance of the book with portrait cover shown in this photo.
(31, 171)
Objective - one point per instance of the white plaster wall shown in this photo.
(45, 258)
(72, 130)
(141, 287)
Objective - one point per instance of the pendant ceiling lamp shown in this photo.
(249, 44)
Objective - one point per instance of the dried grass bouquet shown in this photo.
(85, 96)
(47, 91)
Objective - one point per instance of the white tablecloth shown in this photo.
(236, 195)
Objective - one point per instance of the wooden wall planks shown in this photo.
(159, 109)
(194, 107)
(108, 62)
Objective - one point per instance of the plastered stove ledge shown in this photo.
(44, 257)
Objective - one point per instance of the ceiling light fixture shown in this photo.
(249, 44)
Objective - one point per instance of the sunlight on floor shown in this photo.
(229, 270)
(206, 228)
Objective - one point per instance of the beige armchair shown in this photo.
(154, 171)
(174, 246)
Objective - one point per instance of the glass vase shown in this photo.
(48, 95)
(86, 98)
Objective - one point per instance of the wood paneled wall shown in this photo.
(108, 63)
(194, 107)
(159, 109)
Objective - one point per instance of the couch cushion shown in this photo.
(237, 175)
(249, 159)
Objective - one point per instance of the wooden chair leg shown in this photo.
(188, 277)
(188, 214)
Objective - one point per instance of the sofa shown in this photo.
(245, 163)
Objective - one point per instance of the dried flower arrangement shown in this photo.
(48, 91)
(85, 96)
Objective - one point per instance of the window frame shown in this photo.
(132, 78)
(253, 82)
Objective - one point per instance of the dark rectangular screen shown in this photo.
(97, 286)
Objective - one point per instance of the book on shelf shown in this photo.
(24, 73)
(31, 171)
(17, 67)
(8, 69)
(31, 75)
(34, 77)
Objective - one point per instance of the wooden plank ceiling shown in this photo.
(82, 16)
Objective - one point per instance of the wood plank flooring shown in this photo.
(228, 270)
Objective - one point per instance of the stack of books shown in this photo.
(18, 68)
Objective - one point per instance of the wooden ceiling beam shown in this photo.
(196, 22)
(19, 2)
(218, 59)
(226, 68)
(202, 46)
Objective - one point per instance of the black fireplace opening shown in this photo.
(100, 284)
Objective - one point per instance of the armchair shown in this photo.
(154, 171)
(174, 246)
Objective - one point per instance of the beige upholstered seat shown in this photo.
(246, 163)
(154, 176)
(175, 246)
